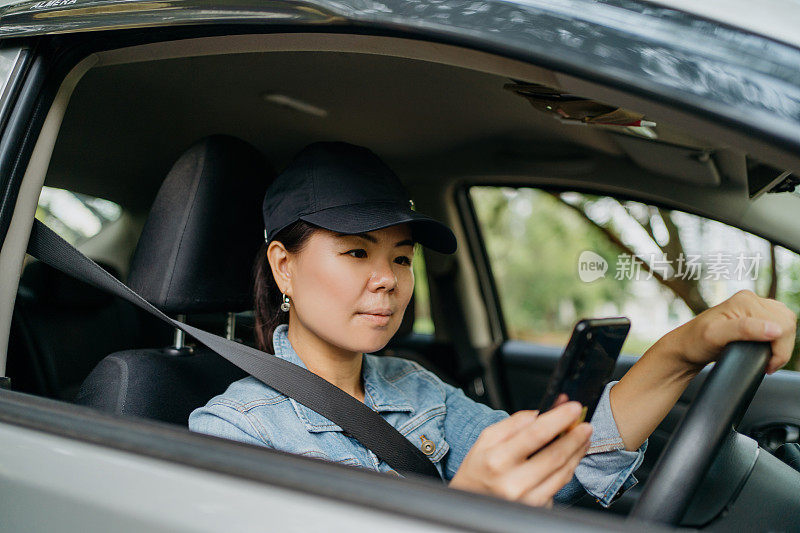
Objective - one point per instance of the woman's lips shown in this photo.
(379, 320)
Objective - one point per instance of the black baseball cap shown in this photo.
(348, 189)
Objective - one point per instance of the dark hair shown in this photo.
(266, 295)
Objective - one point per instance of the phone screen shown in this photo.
(588, 362)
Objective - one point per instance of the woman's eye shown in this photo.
(361, 253)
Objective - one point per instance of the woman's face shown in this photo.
(351, 290)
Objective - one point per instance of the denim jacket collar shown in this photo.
(380, 394)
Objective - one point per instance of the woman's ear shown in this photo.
(279, 259)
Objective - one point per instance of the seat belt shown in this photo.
(354, 417)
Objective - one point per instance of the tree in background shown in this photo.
(685, 288)
(533, 235)
(671, 245)
(529, 238)
(790, 295)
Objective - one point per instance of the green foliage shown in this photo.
(534, 239)
(534, 243)
(422, 306)
(789, 293)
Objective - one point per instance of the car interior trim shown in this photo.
(25, 201)
(19, 57)
(419, 498)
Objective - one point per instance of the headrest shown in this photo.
(198, 244)
(54, 288)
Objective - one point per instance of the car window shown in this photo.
(75, 217)
(422, 301)
(560, 256)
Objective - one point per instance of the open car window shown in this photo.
(74, 216)
(560, 256)
(423, 323)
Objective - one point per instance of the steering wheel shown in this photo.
(718, 407)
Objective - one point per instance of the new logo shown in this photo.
(591, 266)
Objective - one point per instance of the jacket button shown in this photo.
(428, 447)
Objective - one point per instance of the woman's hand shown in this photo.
(512, 458)
(647, 392)
(744, 316)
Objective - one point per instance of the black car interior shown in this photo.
(63, 327)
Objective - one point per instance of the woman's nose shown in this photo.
(383, 277)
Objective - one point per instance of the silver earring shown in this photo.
(286, 303)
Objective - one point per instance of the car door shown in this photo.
(557, 256)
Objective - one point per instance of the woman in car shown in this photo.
(332, 283)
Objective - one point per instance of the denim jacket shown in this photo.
(438, 418)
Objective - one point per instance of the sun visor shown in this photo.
(570, 109)
(763, 178)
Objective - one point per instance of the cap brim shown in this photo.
(365, 217)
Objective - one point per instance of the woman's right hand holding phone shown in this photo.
(525, 457)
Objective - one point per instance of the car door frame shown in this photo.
(47, 418)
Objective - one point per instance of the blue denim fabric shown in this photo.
(416, 402)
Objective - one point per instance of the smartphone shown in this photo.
(587, 364)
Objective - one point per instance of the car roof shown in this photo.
(776, 19)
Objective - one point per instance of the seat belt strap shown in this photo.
(354, 417)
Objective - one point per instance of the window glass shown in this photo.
(422, 302)
(75, 217)
(559, 257)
